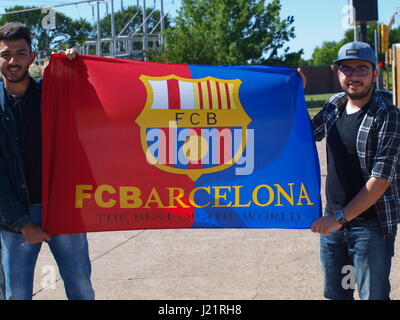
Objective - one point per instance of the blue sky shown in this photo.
(315, 20)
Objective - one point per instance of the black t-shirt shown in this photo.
(27, 116)
(345, 178)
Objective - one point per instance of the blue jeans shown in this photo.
(360, 255)
(69, 250)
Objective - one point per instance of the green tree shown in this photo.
(327, 53)
(292, 59)
(394, 36)
(122, 18)
(67, 32)
(227, 32)
(349, 35)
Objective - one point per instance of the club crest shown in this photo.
(192, 126)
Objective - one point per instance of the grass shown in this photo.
(388, 77)
(315, 102)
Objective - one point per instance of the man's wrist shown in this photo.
(22, 223)
(340, 217)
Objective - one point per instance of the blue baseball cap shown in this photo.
(356, 51)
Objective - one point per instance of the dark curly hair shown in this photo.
(16, 31)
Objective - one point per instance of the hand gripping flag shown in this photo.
(138, 145)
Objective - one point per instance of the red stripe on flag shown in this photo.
(228, 98)
(174, 99)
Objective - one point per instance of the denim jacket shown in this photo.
(14, 199)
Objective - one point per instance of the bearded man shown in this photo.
(358, 228)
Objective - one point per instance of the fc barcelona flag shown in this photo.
(138, 145)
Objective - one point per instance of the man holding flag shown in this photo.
(20, 178)
(362, 131)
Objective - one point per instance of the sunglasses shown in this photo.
(361, 71)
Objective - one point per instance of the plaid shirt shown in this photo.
(378, 149)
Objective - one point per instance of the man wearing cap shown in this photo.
(358, 228)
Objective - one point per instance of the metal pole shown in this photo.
(364, 32)
(162, 22)
(396, 79)
(112, 29)
(355, 32)
(353, 18)
(144, 30)
(127, 25)
(378, 82)
(98, 46)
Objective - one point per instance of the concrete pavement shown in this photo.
(201, 264)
